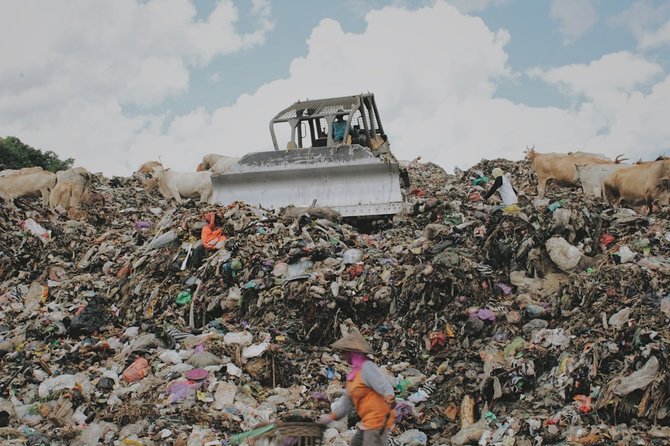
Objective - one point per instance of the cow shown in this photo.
(71, 185)
(639, 184)
(218, 164)
(25, 182)
(22, 171)
(177, 185)
(592, 177)
(149, 166)
(560, 167)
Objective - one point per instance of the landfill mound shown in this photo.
(544, 322)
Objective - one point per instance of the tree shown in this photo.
(15, 155)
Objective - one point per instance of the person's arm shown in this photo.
(496, 184)
(342, 407)
(374, 379)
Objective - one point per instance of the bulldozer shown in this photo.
(338, 156)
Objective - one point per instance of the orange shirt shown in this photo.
(369, 404)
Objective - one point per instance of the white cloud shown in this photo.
(657, 38)
(129, 51)
(575, 17)
(650, 23)
(437, 97)
(615, 72)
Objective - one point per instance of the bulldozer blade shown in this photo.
(347, 178)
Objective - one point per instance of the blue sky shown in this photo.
(114, 84)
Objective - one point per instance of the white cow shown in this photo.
(27, 181)
(178, 185)
(218, 164)
(592, 177)
(71, 184)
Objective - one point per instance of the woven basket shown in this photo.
(293, 434)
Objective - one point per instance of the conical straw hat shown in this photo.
(353, 342)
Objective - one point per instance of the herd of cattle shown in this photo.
(66, 188)
(643, 183)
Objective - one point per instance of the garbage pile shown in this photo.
(544, 322)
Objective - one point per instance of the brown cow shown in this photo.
(560, 167)
(639, 184)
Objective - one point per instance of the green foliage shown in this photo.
(15, 155)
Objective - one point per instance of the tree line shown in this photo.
(14, 154)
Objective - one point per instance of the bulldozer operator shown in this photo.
(339, 128)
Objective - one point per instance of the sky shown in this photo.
(116, 83)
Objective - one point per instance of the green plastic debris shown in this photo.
(239, 438)
(183, 298)
(555, 205)
(490, 416)
(480, 180)
(403, 385)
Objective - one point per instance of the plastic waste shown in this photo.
(418, 396)
(351, 256)
(563, 254)
(183, 298)
(243, 338)
(224, 395)
(555, 205)
(183, 389)
(254, 350)
(619, 318)
(639, 379)
(163, 240)
(480, 180)
(61, 382)
(170, 357)
(412, 437)
(91, 319)
(626, 255)
(37, 230)
(136, 371)
(233, 370)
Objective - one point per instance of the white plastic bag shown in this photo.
(563, 254)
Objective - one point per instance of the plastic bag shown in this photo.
(37, 230)
(351, 256)
(413, 437)
(163, 240)
(639, 379)
(91, 319)
(563, 254)
(136, 371)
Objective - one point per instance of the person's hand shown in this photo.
(390, 400)
(325, 419)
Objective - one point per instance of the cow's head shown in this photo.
(578, 173)
(619, 159)
(530, 153)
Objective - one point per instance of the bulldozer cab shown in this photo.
(312, 123)
(337, 156)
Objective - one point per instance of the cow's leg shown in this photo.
(205, 196)
(541, 186)
(75, 196)
(45, 196)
